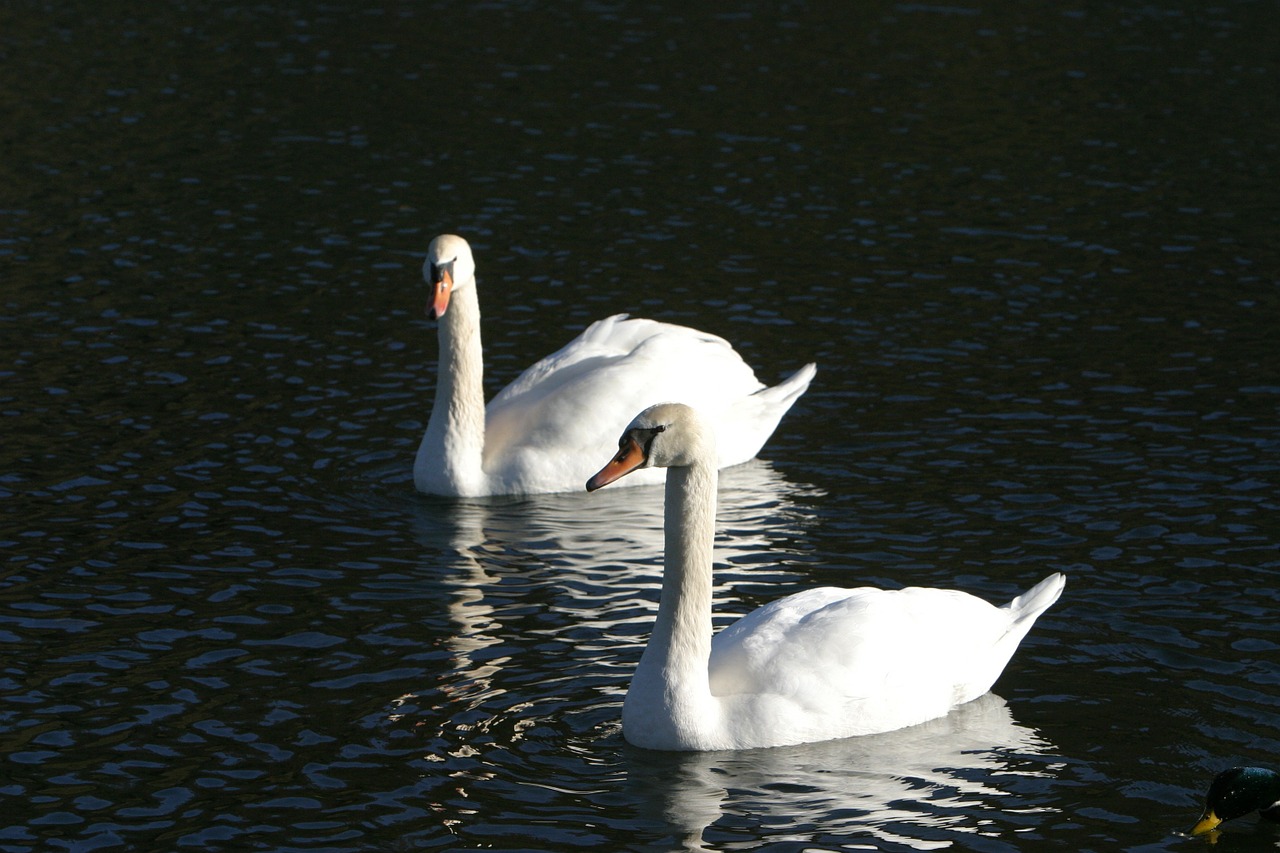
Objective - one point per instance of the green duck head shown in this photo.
(1238, 791)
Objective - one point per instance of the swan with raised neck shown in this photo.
(542, 432)
(821, 664)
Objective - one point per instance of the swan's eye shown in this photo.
(653, 432)
(438, 271)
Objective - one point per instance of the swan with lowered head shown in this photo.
(541, 432)
(821, 664)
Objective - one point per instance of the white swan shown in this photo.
(820, 664)
(543, 432)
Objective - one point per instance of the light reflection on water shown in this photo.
(593, 562)
(921, 788)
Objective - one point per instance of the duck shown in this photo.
(544, 431)
(821, 664)
(1236, 792)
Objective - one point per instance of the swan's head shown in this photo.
(448, 267)
(668, 435)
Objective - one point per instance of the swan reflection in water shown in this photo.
(924, 787)
(756, 506)
(568, 553)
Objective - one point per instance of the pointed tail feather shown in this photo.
(756, 417)
(1023, 612)
(1028, 606)
(789, 390)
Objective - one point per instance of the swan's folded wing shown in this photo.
(593, 343)
(856, 644)
(783, 646)
(581, 397)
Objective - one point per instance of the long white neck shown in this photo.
(450, 459)
(674, 663)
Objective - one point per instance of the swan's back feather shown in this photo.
(564, 413)
(832, 662)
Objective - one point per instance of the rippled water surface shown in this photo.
(1032, 248)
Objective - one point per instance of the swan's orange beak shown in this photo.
(440, 290)
(630, 457)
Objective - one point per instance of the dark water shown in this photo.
(1032, 248)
